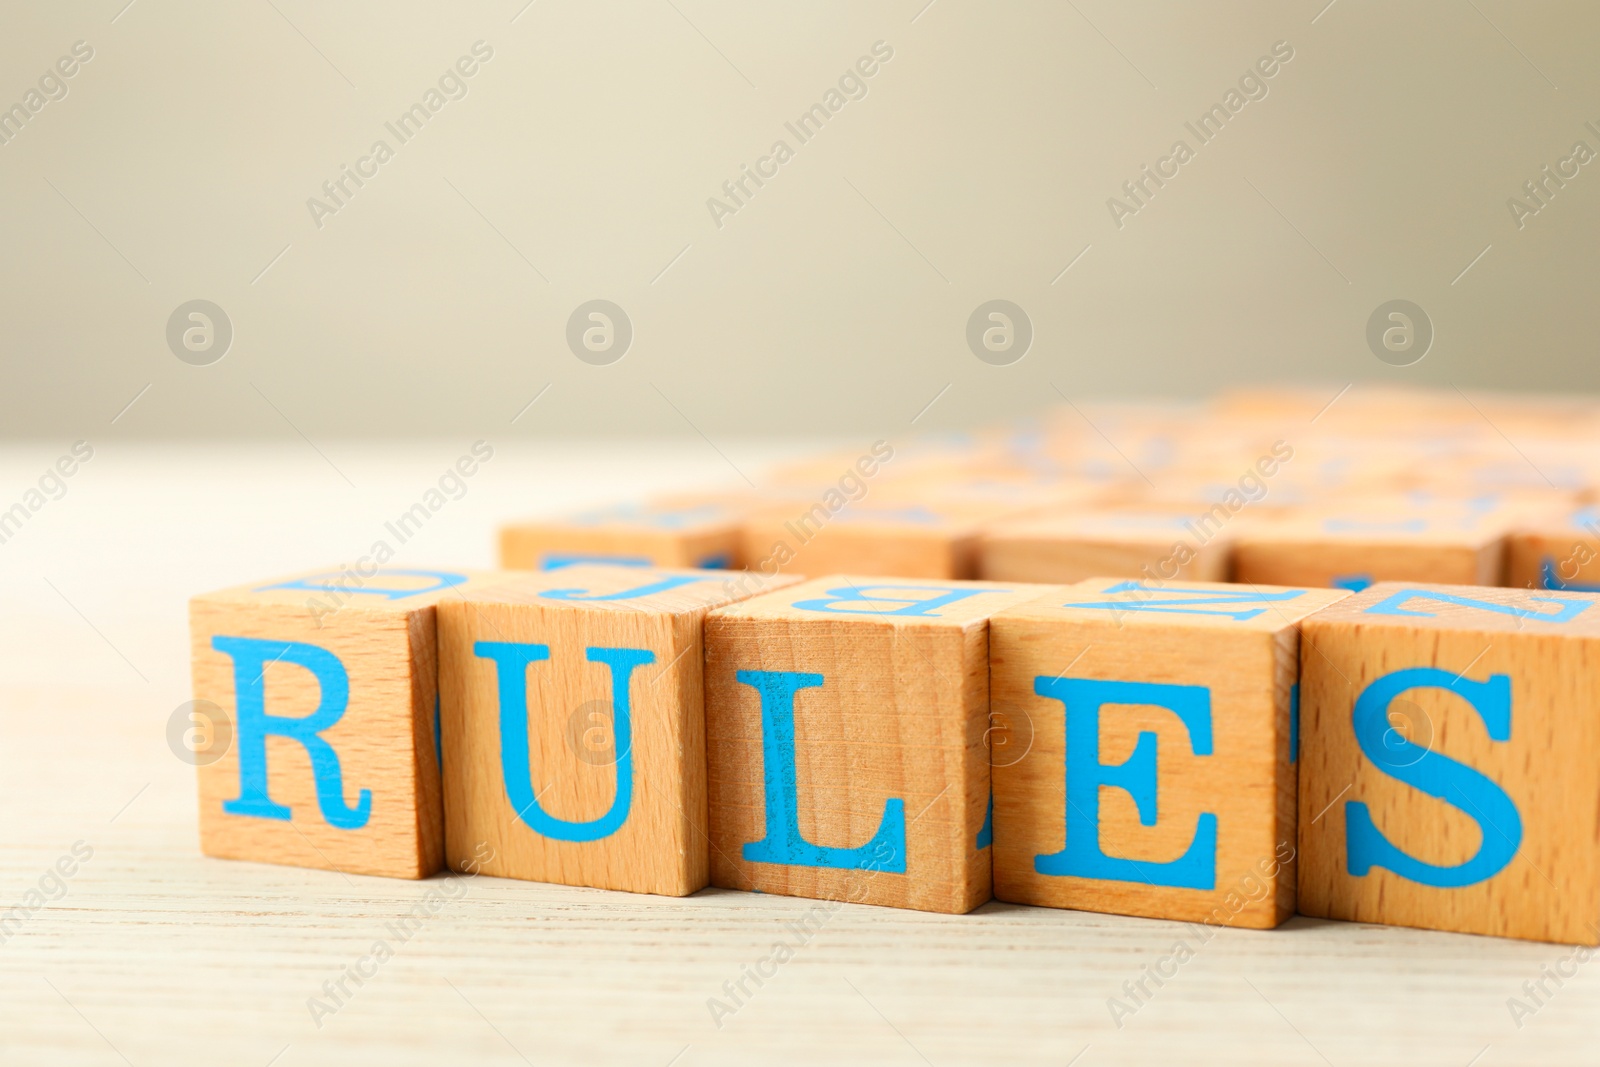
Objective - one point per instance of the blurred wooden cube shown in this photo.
(1557, 551)
(905, 538)
(695, 532)
(1362, 542)
(1144, 543)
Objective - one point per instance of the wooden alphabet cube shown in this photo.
(326, 689)
(574, 725)
(846, 722)
(700, 531)
(1149, 768)
(1557, 551)
(831, 534)
(1149, 544)
(1448, 773)
(1354, 546)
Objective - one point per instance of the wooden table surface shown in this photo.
(152, 954)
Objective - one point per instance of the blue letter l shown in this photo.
(783, 843)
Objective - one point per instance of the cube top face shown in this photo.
(1467, 609)
(327, 681)
(1584, 521)
(325, 594)
(1144, 749)
(599, 587)
(1447, 749)
(1388, 523)
(846, 756)
(1121, 602)
(1560, 551)
(1155, 526)
(883, 602)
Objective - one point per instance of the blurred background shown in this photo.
(936, 156)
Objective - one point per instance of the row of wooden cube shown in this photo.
(1411, 755)
(1534, 539)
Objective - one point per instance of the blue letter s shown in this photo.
(1439, 776)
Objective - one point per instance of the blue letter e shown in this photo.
(1082, 857)
(1438, 776)
(251, 657)
(783, 843)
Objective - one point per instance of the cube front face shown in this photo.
(573, 727)
(1352, 552)
(1562, 554)
(846, 750)
(935, 541)
(1448, 771)
(1149, 764)
(1151, 546)
(327, 684)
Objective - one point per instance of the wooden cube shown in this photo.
(906, 538)
(1557, 551)
(1354, 546)
(1152, 770)
(697, 531)
(1148, 544)
(846, 722)
(1448, 777)
(574, 728)
(327, 687)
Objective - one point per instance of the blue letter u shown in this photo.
(511, 661)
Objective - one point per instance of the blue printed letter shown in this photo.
(251, 657)
(783, 843)
(910, 605)
(1082, 857)
(1438, 776)
(511, 663)
(672, 581)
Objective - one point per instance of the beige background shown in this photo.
(977, 166)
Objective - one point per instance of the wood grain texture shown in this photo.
(1550, 889)
(1244, 654)
(900, 715)
(576, 755)
(384, 740)
(1146, 543)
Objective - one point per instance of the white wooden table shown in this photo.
(152, 954)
